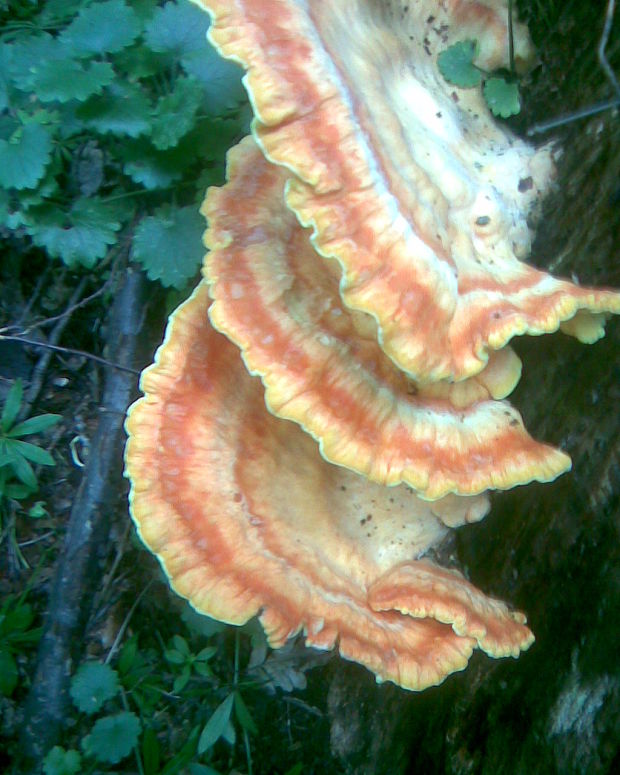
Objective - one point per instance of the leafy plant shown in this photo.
(17, 477)
(105, 104)
(92, 685)
(501, 92)
(180, 655)
(16, 632)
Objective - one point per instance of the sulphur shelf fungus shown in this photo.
(331, 401)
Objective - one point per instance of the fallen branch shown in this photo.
(78, 570)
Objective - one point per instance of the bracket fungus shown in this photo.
(303, 455)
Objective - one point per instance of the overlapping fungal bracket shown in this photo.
(323, 368)
(248, 519)
(406, 181)
(364, 263)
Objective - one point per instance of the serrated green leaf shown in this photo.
(69, 79)
(55, 13)
(112, 737)
(93, 684)
(502, 97)
(175, 113)
(169, 244)
(11, 406)
(24, 157)
(102, 28)
(123, 109)
(216, 725)
(34, 425)
(139, 62)
(177, 29)
(61, 762)
(220, 79)
(152, 168)
(79, 236)
(30, 51)
(456, 64)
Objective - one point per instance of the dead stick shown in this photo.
(78, 569)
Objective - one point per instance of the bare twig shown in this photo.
(39, 370)
(125, 624)
(79, 566)
(598, 107)
(611, 76)
(69, 311)
(69, 351)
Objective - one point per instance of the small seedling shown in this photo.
(500, 91)
(17, 477)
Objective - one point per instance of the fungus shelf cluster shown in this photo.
(302, 455)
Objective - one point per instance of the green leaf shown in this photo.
(123, 109)
(23, 471)
(150, 752)
(169, 244)
(180, 682)
(502, 97)
(180, 644)
(216, 725)
(204, 655)
(177, 29)
(151, 168)
(11, 405)
(128, 655)
(456, 64)
(31, 452)
(220, 79)
(79, 236)
(102, 28)
(243, 715)
(61, 762)
(112, 737)
(175, 113)
(17, 491)
(56, 13)
(34, 425)
(38, 510)
(8, 673)
(24, 157)
(175, 657)
(27, 53)
(93, 684)
(70, 79)
(16, 619)
(40, 457)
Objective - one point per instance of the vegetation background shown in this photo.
(114, 118)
